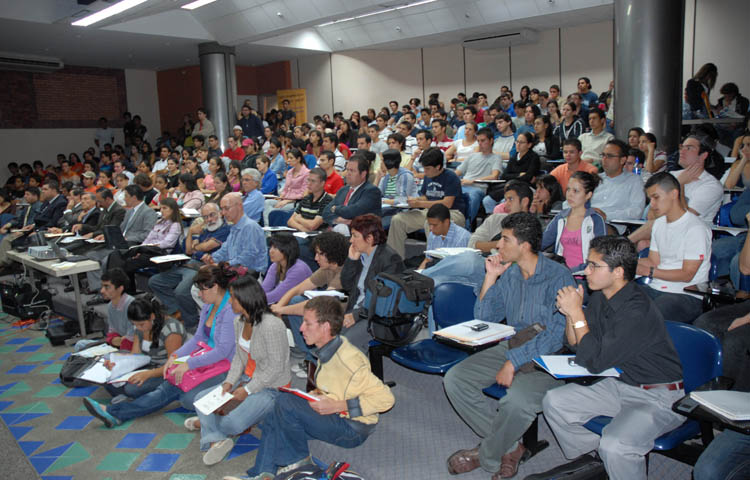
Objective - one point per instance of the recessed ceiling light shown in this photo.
(378, 12)
(118, 7)
(197, 4)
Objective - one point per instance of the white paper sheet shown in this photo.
(559, 367)
(211, 401)
(96, 351)
(324, 293)
(170, 258)
(463, 333)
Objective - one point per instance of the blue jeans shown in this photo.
(215, 428)
(173, 289)
(159, 398)
(475, 200)
(676, 307)
(132, 390)
(726, 458)
(740, 209)
(295, 322)
(289, 426)
(726, 251)
(466, 268)
(489, 204)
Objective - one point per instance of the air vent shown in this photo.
(29, 63)
(502, 40)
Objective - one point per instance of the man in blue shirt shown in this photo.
(246, 243)
(252, 198)
(520, 286)
(173, 286)
(440, 186)
(443, 232)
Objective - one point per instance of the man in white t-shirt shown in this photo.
(679, 253)
(593, 142)
(160, 165)
(703, 192)
(481, 165)
(505, 143)
(103, 134)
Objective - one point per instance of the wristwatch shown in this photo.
(579, 324)
(651, 273)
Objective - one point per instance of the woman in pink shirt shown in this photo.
(295, 184)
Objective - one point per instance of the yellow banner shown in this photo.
(297, 102)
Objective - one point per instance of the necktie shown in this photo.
(127, 224)
(348, 196)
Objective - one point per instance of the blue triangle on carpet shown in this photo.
(14, 418)
(54, 452)
(4, 405)
(29, 447)
(19, 432)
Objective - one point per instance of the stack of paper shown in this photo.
(190, 213)
(279, 228)
(211, 401)
(463, 333)
(561, 366)
(96, 351)
(734, 406)
(170, 258)
(449, 251)
(324, 293)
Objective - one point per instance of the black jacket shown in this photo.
(51, 212)
(367, 199)
(385, 259)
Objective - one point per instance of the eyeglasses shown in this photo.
(210, 215)
(521, 142)
(610, 155)
(594, 266)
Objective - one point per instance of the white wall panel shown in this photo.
(536, 64)
(370, 78)
(486, 70)
(443, 71)
(143, 99)
(315, 77)
(587, 51)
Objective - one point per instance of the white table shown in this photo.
(46, 267)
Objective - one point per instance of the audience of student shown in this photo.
(620, 193)
(294, 187)
(308, 215)
(482, 165)
(286, 269)
(592, 143)
(442, 232)
(357, 198)
(548, 196)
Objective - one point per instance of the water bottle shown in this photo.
(637, 168)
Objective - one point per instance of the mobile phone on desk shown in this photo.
(479, 327)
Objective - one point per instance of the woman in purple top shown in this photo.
(216, 329)
(287, 270)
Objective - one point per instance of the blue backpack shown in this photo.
(396, 306)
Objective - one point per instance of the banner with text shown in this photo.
(297, 102)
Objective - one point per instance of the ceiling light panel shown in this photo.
(197, 4)
(110, 11)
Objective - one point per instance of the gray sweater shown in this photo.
(269, 348)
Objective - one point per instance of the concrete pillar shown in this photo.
(219, 79)
(648, 68)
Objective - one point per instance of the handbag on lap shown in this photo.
(193, 378)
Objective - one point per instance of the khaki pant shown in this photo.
(409, 221)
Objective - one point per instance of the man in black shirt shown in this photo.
(308, 216)
(621, 328)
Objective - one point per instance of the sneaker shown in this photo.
(218, 451)
(300, 367)
(119, 398)
(301, 374)
(99, 412)
(190, 424)
(292, 466)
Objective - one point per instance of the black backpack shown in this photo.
(396, 306)
(74, 365)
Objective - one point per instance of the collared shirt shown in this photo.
(220, 234)
(245, 245)
(252, 205)
(366, 259)
(620, 197)
(129, 221)
(309, 208)
(269, 183)
(562, 173)
(456, 237)
(117, 317)
(295, 185)
(628, 332)
(593, 144)
(523, 302)
(704, 195)
(165, 233)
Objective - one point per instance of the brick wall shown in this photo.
(74, 97)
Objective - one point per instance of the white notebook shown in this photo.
(463, 332)
(734, 406)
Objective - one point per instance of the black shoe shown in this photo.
(68, 289)
(97, 300)
(585, 467)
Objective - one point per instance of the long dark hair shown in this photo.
(289, 248)
(550, 183)
(250, 295)
(141, 309)
(172, 204)
(210, 275)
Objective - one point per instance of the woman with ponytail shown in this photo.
(155, 336)
(215, 330)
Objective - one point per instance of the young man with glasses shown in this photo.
(621, 328)
(620, 193)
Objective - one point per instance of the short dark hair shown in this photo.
(251, 297)
(616, 252)
(486, 132)
(620, 145)
(34, 191)
(332, 137)
(574, 142)
(320, 173)
(391, 158)
(399, 138)
(365, 137)
(638, 154)
(53, 184)
(522, 189)
(665, 180)
(135, 191)
(143, 180)
(596, 111)
(439, 211)
(369, 224)
(327, 310)
(363, 164)
(432, 157)
(440, 121)
(427, 134)
(526, 228)
(117, 277)
(332, 245)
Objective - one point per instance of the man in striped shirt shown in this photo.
(308, 216)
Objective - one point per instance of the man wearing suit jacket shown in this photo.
(112, 214)
(88, 214)
(135, 227)
(53, 206)
(72, 209)
(24, 217)
(357, 198)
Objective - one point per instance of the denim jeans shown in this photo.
(475, 200)
(740, 209)
(726, 458)
(173, 289)
(676, 307)
(726, 252)
(159, 398)
(489, 204)
(215, 428)
(289, 426)
(132, 390)
(734, 344)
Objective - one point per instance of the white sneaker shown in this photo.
(299, 367)
(119, 398)
(218, 451)
(190, 424)
(301, 374)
